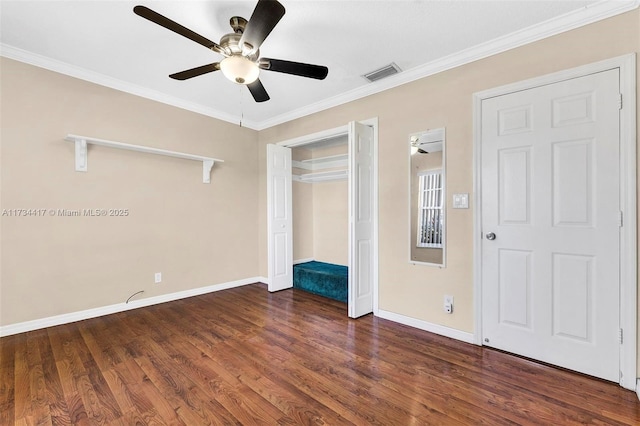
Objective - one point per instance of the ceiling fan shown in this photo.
(242, 62)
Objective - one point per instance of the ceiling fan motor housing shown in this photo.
(238, 24)
(231, 43)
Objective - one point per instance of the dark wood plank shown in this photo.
(7, 379)
(246, 356)
(22, 393)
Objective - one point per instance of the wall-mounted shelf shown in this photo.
(82, 143)
(322, 176)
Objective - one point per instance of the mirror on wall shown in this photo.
(427, 200)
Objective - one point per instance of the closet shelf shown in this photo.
(82, 142)
(321, 163)
(321, 176)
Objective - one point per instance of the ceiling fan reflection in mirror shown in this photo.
(242, 62)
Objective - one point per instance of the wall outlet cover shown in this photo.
(448, 304)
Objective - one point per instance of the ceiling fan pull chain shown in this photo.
(241, 108)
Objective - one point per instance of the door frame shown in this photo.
(628, 232)
(341, 131)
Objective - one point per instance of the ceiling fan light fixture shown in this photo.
(239, 69)
(241, 49)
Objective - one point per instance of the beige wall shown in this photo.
(331, 214)
(445, 100)
(195, 234)
(331, 222)
(320, 221)
(303, 213)
(303, 220)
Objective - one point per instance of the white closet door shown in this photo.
(361, 219)
(279, 220)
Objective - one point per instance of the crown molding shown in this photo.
(569, 21)
(41, 61)
(593, 13)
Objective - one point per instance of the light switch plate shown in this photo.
(460, 201)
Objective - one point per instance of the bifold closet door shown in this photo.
(279, 219)
(361, 219)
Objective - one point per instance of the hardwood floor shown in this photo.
(245, 356)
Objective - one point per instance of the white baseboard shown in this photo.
(311, 259)
(638, 388)
(22, 327)
(8, 330)
(427, 326)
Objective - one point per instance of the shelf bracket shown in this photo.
(81, 155)
(207, 165)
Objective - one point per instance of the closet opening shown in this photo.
(322, 203)
(320, 199)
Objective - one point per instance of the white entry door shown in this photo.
(361, 219)
(551, 224)
(279, 219)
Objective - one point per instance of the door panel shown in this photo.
(573, 174)
(572, 282)
(515, 186)
(550, 193)
(515, 287)
(279, 220)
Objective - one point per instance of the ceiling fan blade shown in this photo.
(296, 68)
(258, 91)
(194, 72)
(163, 21)
(264, 18)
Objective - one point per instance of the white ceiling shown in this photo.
(105, 42)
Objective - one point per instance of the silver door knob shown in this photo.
(491, 236)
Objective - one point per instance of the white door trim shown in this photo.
(628, 236)
(340, 131)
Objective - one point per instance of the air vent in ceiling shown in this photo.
(383, 72)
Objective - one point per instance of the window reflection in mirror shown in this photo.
(427, 186)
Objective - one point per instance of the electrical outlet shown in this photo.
(448, 304)
(158, 277)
